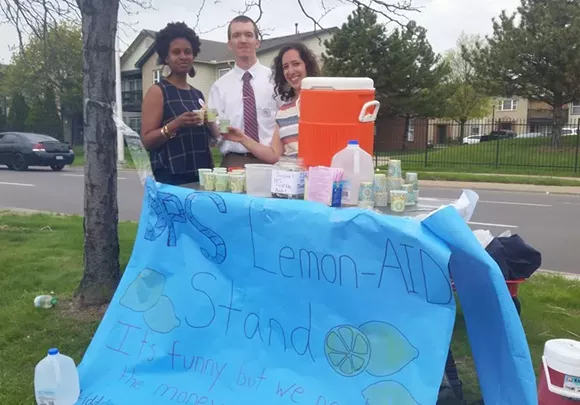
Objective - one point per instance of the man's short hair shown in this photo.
(243, 19)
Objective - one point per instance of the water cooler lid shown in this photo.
(565, 351)
(53, 351)
(338, 83)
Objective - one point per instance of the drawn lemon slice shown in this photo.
(347, 350)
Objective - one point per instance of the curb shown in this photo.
(526, 188)
(569, 276)
(27, 211)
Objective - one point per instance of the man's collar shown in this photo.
(253, 69)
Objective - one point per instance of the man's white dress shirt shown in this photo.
(226, 97)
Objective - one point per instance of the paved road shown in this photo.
(550, 223)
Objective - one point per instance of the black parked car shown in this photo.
(19, 150)
(498, 134)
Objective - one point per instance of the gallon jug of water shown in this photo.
(358, 167)
(56, 380)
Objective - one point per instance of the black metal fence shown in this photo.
(484, 146)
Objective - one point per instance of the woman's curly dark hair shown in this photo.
(173, 31)
(281, 86)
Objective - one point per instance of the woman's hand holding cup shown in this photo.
(235, 135)
(189, 119)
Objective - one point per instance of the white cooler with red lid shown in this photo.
(560, 374)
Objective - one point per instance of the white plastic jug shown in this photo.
(358, 167)
(56, 380)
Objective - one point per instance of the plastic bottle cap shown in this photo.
(353, 142)
(52, 352)
(54, 301)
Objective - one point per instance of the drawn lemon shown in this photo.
(347, 350)
(144, 292)
(387, 393)
(391, 350)
(161, 318)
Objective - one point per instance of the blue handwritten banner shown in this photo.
(229, 299)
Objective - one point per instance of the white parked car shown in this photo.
(569, 131)
(471, 140)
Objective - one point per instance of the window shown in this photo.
(474, 130)
(576, 108)
(9, 138)
(223, 71)
(133, 85)
(509, 104)
(39, 138)
(156, 76)
(410, 135)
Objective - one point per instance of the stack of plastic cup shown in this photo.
(202, 175)
(222, 183)
(381, 190)
(409, 188)
(394, 176)
(366, 195)
(398, 200)
(209, 181)
(237, 182)
(393, 184)
(394, 169)
(413, 178)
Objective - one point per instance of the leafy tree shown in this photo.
(406, 71)
(53, 61)
(466, 99)
(533, 54)
(18, 113)
(357, 48)
(43, 116)
(2, 119)
(52, 121)
(34, 121)
(3, 107)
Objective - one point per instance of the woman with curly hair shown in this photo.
(175, 136)
(293, 63)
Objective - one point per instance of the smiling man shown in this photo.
(245, 95)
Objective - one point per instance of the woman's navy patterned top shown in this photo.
(178, 159)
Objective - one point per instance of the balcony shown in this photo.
(132, 100)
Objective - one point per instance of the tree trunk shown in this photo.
(462, 130)
(557, 120)
(101, 213)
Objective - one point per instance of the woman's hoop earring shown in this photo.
(163, 71)
(191, 72)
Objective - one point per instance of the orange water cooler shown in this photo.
(333, 111)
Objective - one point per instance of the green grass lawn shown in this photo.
(43, 254)
(522, 156)
(500, 178)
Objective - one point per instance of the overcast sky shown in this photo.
(443, 19)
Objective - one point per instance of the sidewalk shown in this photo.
(530, 188)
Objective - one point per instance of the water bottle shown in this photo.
(56, 380)
(45, 301)
(358, 167)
